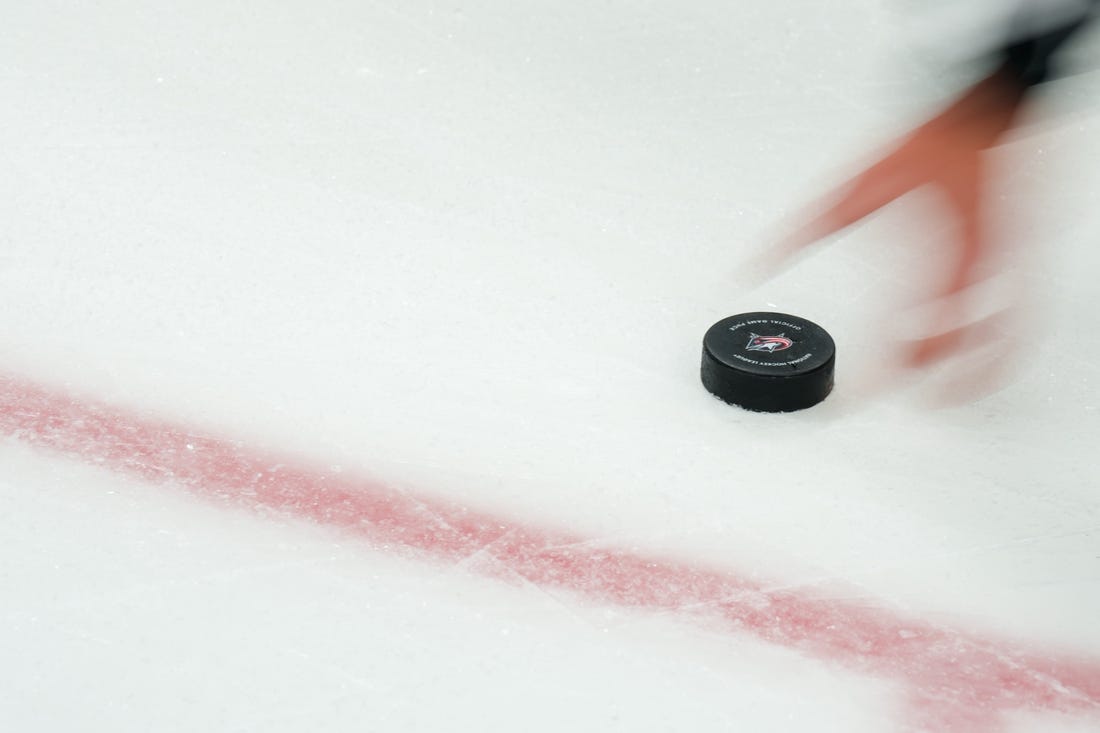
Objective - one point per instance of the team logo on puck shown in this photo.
(769, 344)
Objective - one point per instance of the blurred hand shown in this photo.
(949, 154)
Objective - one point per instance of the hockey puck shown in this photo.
(768, 362)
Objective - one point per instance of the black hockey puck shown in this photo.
(768, 362)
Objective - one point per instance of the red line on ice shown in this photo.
(955, 681)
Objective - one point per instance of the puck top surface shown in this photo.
(770, 344)
(773, 362)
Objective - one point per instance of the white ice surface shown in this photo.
(470, 248)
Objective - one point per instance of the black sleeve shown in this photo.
(1030, 59)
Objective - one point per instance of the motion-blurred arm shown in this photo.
(948, 153)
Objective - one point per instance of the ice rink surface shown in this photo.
(466, 252)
